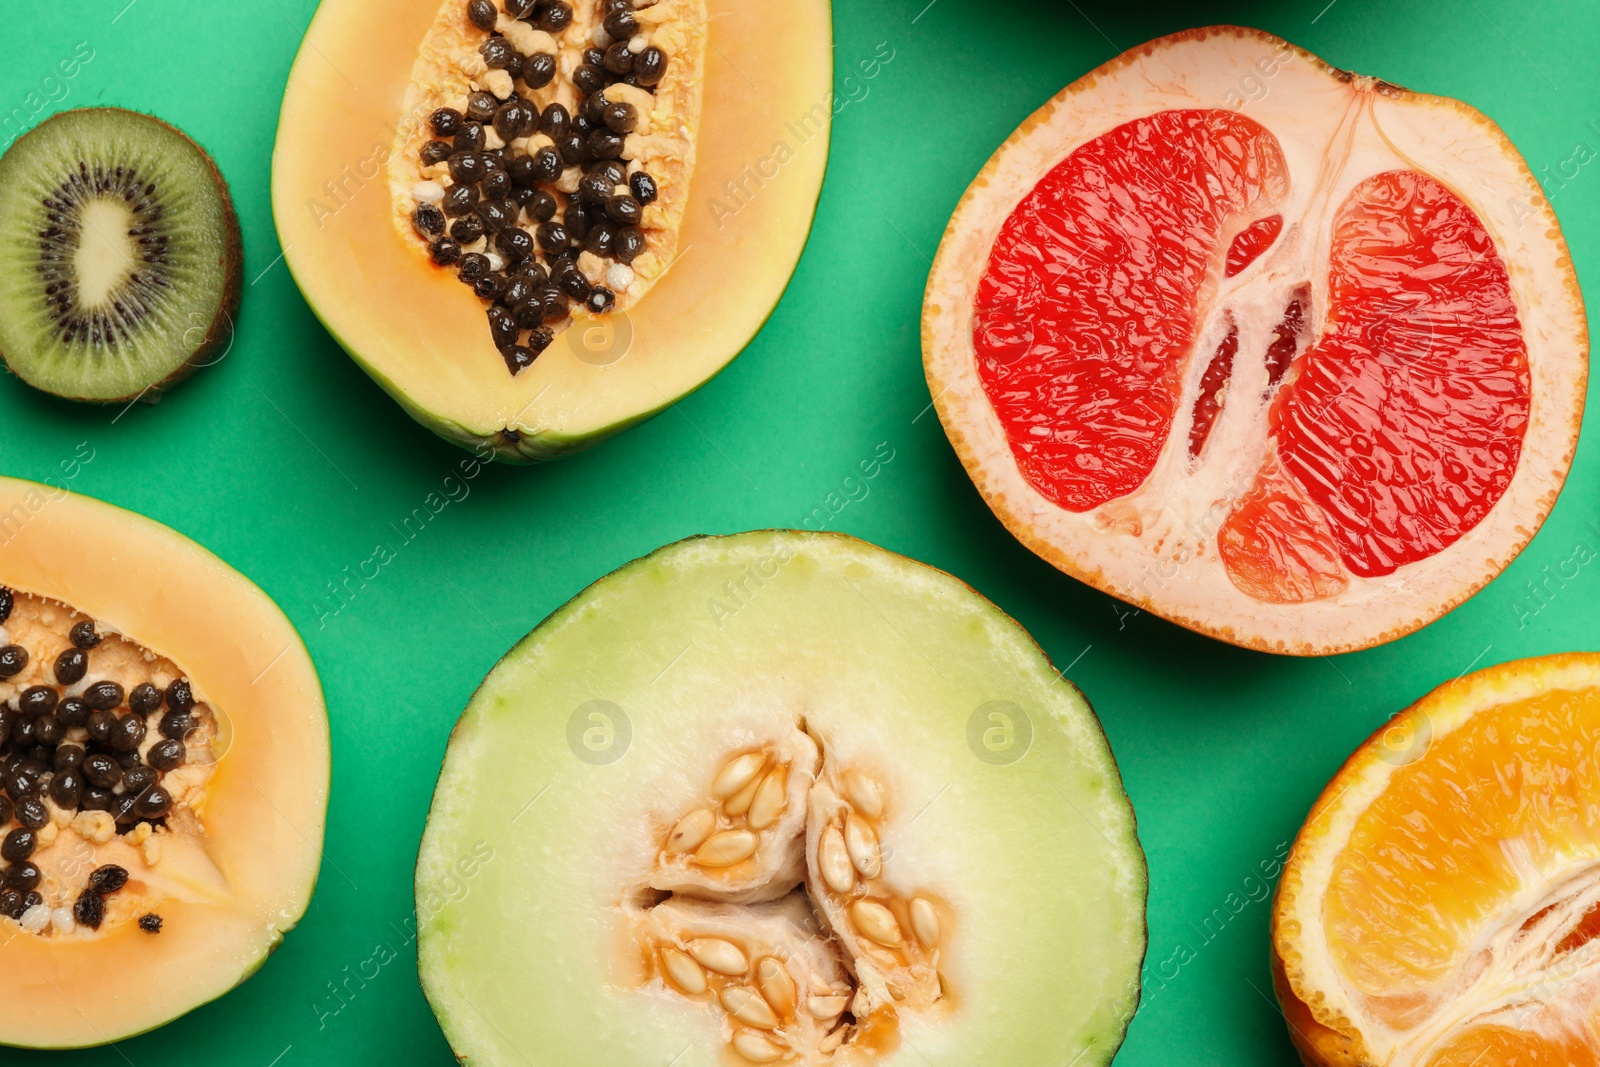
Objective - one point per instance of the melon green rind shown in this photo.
(527, 848)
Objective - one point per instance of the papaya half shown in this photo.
(536, 223)
(163, 772)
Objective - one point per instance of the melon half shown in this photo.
(1290, 356)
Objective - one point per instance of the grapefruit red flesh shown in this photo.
(1089, 307)
(1225, 358)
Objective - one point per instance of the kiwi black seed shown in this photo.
(120, 256)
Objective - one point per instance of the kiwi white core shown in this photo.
(105, 258)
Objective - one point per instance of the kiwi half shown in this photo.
(119, 256)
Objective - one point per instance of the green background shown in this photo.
(290, 464)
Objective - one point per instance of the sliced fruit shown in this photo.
(1301, 371)
(623, 187)
(164, 766)
(1440, 905)
(780, 796)
(119, 256)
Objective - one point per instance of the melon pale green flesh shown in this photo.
(716, 643)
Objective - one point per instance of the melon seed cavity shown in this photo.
(793, 974)
(105, 754)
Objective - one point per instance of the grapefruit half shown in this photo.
(1290, 356)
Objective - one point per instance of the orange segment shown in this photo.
(1441, 903)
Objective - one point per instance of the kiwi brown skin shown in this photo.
(219, 333)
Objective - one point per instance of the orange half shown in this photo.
(1441, 904)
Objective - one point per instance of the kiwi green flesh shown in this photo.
(119, 255)
(532, 855)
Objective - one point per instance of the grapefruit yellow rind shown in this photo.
(1284, 87)
(1327, 1023)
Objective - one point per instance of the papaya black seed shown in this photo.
(542, 206)
(96, 799)
(8, 600)
(630, 244)
(554, 16)
(166, 755)
(554, 303)
(103, 696)
(11, 903)
(137, 779)
(589, 78)
(13, 658)
(552, 237)
(24, 875)
(89, 910)
(650, 67)
(83, 634)
(540, 339)
(497, 214)
(444, 252)
(611, 169)
(554, 122)
(67, 757)
(620, 118)
(532, 271)
(22, 731)
(601, 238)
(150, 923)
(644, 187)
(429, 222)
(145, 697)
(482, 14)
(74, 712)
(18, 845)
(128, 733)
(595, 188)
(547, 163)
(66, 789)
(71, 666)
(619, 60)
(539, 70)
(502, 331)
(460, 200)
(102, 770)
(496, 52)
(515, 244)
(574, 148)
(604, 144)
(127, 760)
(526, 315)
(496, 184)
(5, 810)
(49, 730)
(600, 300)
(572, 282)
(176, 725)
(520, 9)
(180, 695)
(514, 65)
(481, 106)
(122, 809)
(100, 726)
(433, 152)
(520, 171)
(490, 286)
(31, 812)
(467, 229)
(593, 57)
(518, 288)
(38, 700)
(624, 210)
(577, 219)
(621, 24)
(474, 265)
(446, 121)
(153, 803)
(518, 358)
(107, 878)
(467, 168)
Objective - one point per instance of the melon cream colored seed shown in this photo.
(767, 806)
(864, 792)
(726, 848)
(877, 923)
(740, 802)
(925, 921)
(747, 1006)
(834, 861)
(691, 831)
(755, 1047)
(826, 1007)
(736, 774)
(716, 954)
(861, 841)
(776, 985)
